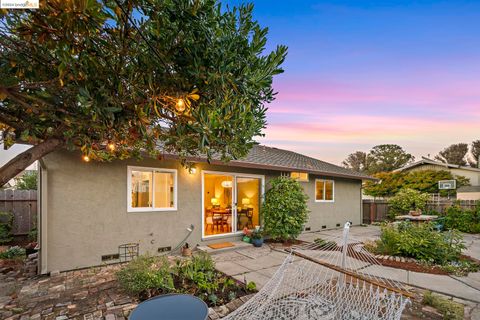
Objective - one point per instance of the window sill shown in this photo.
(145, 210)
(325, 201)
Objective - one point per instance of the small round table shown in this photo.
(171, 307)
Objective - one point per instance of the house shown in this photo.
(463, 193)
(468, 193)
(87, 210)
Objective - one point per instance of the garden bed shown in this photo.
(146, 277)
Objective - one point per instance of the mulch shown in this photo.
(412, 266)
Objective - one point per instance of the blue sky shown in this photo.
(361, 73)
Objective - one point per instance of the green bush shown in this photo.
(6, 225)
(285, 209)
(406, 200)
(463, 220)
(12, 253)
(144, 274)
(421, 242)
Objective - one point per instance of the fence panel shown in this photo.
(23, 205)
(377, 210)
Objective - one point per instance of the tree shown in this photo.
(475, 153)
(119, 78)
(390, 183)
(387, 157)
(285, 209)
(28, 181)
(357, 161)
(454, 154)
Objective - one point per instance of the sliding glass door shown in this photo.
(248, 202)
(231, 202)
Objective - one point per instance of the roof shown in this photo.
(438, 163)
(469, 189)
(263, 157)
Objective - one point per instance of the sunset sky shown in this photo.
(361, 73)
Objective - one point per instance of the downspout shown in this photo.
(42, 218)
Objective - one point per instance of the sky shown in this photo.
(362, 73)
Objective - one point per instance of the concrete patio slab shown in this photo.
(270, 260)
(231, 268)
(259, 279)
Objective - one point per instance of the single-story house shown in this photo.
(89, 209)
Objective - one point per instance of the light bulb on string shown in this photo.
(180, 105)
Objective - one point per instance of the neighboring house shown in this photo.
(89, 209)
(468, 193)
(463, 193)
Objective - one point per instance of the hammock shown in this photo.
(335, 278)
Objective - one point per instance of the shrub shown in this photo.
(421, 242)
(285, 209)
(145, 274)
(6, 225)
(463, 220)
(406, 200)
(12, 253)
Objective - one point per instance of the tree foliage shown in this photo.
(118, 78)
(388, 157)
(285, 209)
(381, 158)
(475, 153)
(454, 154)
(357, 161)
(390, 183)
(28, 181)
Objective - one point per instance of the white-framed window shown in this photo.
(299, 176)
(324, 190)
(151, 189)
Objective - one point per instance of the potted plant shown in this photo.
(247, 235)
(257, 237)
(186, 251)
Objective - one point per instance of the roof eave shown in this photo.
(244, 164)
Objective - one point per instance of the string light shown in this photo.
(180, 105)
(111, 146)
(86, 158)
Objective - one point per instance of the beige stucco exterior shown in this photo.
(84, 209)
(468, 195)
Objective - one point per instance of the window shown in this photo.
(324, 190)
(299, 176)
(151, 189)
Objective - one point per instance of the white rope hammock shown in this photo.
(331, 279)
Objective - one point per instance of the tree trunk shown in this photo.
(12, 168)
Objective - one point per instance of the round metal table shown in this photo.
(171, 307)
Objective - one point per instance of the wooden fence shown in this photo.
(377, 210)
(23, 205)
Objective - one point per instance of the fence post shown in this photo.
(373, 210)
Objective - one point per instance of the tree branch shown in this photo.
(26, 158)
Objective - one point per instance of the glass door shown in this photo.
(218, 193)
(248, 191)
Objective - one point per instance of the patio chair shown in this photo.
(439, 224)
(250, 218)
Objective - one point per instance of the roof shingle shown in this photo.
(261, 156)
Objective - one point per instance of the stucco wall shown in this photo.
(468, 195)
(86, 214)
